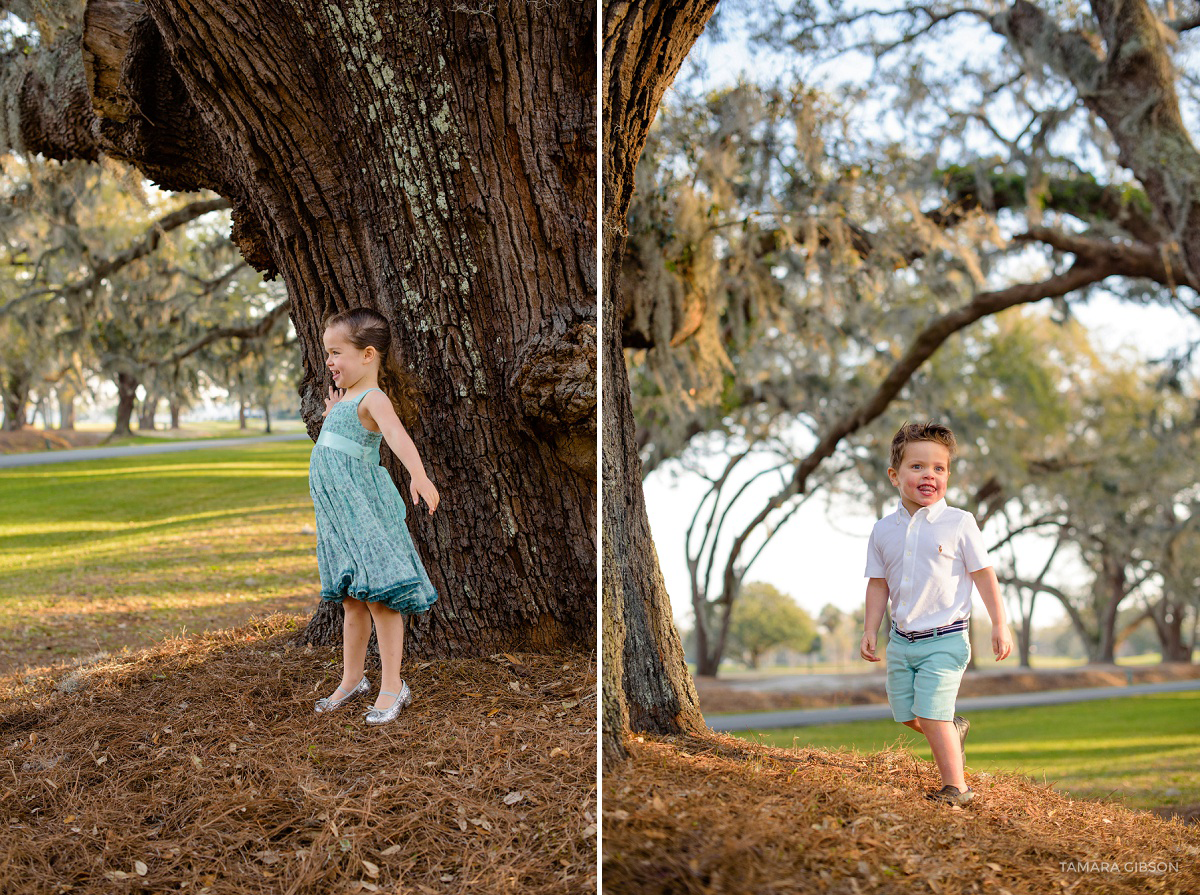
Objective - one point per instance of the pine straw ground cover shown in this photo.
(199, 766)
(713, 814)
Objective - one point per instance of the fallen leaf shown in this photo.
(559, 750)
(493, 712)
(141, 868)
(512, 658)
(515, 686)
(390, 850)
(569, 705)
(995, 867)
(481, 822)
(372, 869)
(197, 762)
(513, 797)
(462, 824)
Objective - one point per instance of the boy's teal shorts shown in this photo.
(923, 676)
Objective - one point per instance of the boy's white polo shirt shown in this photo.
(927, 559)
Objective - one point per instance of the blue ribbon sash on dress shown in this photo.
(348, 446)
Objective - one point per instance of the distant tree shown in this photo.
(766, 618)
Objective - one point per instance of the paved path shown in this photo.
(135, 450)
(807, 717)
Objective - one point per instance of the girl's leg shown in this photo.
(356, 633)
(389, 633)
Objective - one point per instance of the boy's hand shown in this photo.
(1002, 642)
(424, 488)
(866, 649)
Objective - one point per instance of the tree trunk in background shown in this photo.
(176, 411)
(241, 414)
(1024, 632)
(126, 399)
(266, 407)
(1129, 83)
(432, 161)
(1168, 615)
(1113, 579)
(146, 415)
(646, 682)
(16, 397)
(66, 407)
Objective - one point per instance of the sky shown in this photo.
(819, 557)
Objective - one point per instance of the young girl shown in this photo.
(365, 555)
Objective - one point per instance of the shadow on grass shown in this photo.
(40, 639)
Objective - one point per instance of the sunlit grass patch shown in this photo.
(1142, 750)
(115, 553)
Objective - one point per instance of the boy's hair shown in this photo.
(929, 431)
(366, 327)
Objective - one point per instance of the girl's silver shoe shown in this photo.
(383, 716)
(328, 703)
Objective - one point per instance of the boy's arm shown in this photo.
(989, 590)
(877, 596)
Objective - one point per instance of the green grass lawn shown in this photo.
(1143, 750)
(197, 431)
(104, 554)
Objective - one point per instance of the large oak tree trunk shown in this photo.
(435, 161)
(646, 683)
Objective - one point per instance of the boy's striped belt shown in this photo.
(911, 636)
(348, 446)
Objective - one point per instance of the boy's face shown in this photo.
(923, 474)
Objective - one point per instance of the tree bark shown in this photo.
(1115, 580)
(176, 411)
(127, 385)
(146, 415)
(646, 683)
(16, 397)
(1130, 84)
(66, 407)
(1167, 615)
(437, 163)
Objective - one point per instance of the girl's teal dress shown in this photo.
(364, 549)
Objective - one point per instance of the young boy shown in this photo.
(924, 559)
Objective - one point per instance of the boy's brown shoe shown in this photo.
(951, 795)
(963, 726)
